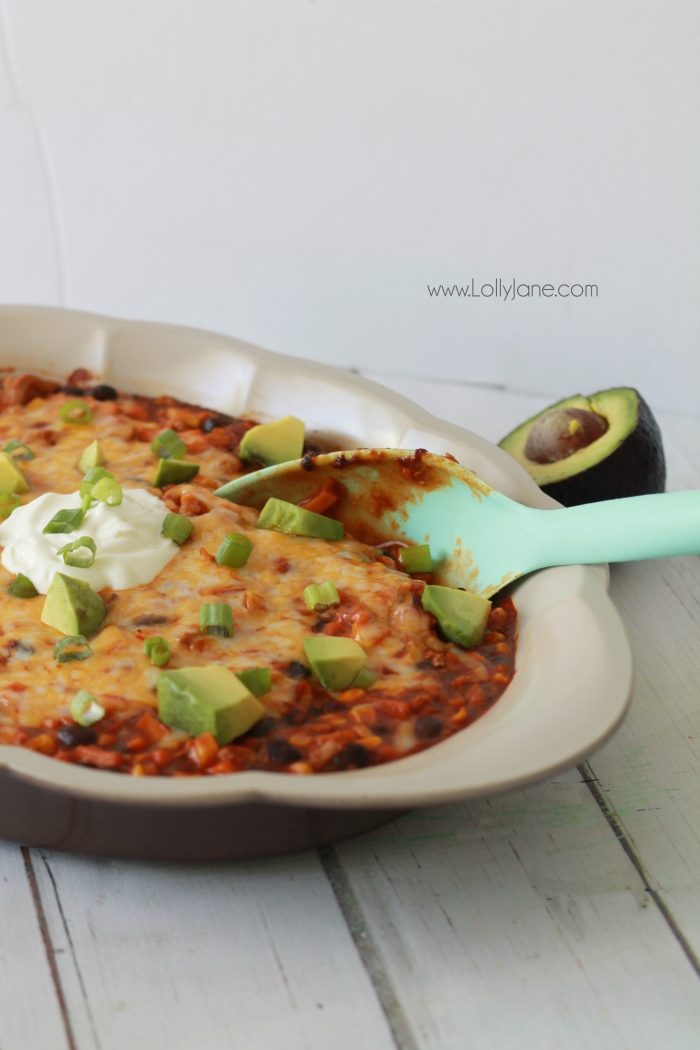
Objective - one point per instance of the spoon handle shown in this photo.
(630, 529)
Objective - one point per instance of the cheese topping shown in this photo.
(130, 548)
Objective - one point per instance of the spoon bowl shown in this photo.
(480, 539)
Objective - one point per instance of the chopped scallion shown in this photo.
(86, 709)
(177, 527)
(22, 587)
(234, 550)
(157, 650)
(80, 553)
(100, 486)
(216, 618)
(18, 450)
(108, 490)
(257, 680)
(72, 647)
(65, 521)
(78, 413)
(168, 445)
(416, 559)
(321, 595)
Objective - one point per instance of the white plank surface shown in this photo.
(30, 1015)
(519, 922)
(255, 956)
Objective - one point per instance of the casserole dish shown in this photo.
(573, 670)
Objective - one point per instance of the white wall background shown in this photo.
(296, 172)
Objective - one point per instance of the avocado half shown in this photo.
(585, 449)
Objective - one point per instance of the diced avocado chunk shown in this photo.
(336, 662)
(72, 607)
(297, 521)
(364, 679)
(257, 679)
(207, 700)
(174, 472)
(92, 456)
(462, 615)
(11, 477)
(276, 442)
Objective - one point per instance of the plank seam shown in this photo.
(49, 949)
(73, 953)
(617, 827)
(367, 950)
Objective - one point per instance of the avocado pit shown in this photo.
(582, 449)
(560, 432)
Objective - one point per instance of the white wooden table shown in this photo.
(563, 916)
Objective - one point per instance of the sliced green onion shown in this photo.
(257, 680)
(101, 486)
(79, 553)
(174, 472)
(108, 490)
(234, 550)
(92, 457)
(72, 647)
(168, 445)
(22, 587)
(157, 650)
(321, 595)
(86, 709)
(65, 521)
(177, 527)
(18, 450)
(76, 412)
(416, 559)
(216, 618)
(9, 501)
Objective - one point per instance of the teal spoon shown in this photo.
(479, 539)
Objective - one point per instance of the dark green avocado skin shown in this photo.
(635, 468)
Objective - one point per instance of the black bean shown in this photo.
(151, 620)
(17, 647)
(104, 392)
(74, 735)
(353, 755)
(264, 727)
(281, 752)
(74, 391)
(428, 727)
(297, 670)
(211, 423)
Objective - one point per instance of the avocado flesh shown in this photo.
(336, 662)
(72, 607)
(11, 477)
(207, 700)
(627, 459)
(274, 443)
(92, 456)
(462, 615)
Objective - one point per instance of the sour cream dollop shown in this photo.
(130, 547)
